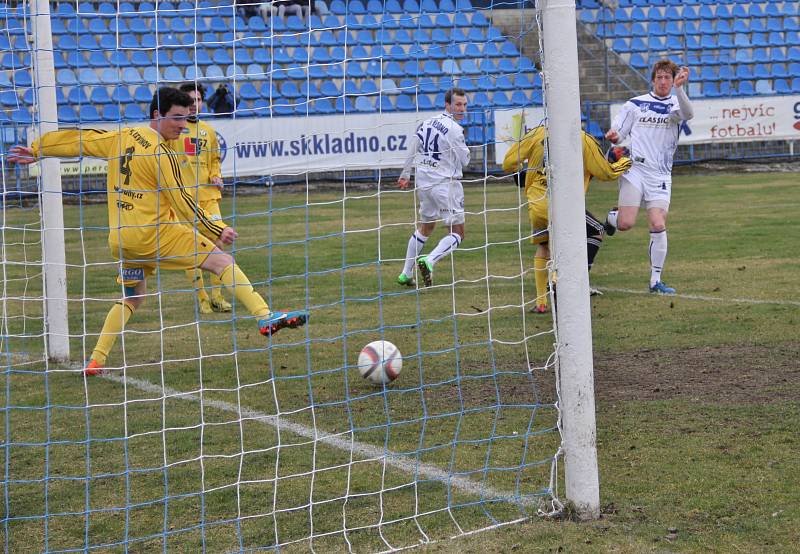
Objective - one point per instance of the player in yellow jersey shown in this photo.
(531, 150)
(152, 216)
(199, 142)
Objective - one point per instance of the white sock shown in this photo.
(445, 246)
(612, 217)
(415, 245)
(658, 254)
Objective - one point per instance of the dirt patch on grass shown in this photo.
(710, 374)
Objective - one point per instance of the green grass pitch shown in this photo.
(696, 394)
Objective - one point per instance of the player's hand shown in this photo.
(682, 76)
(402, 183)
(218, 181)
(21, 155)
(613, 136)
(228, 235)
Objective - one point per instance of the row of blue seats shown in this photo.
(287, 106)
(745, 71)
(715, 89)
(706, 42)
(76, 59)
(348, 68)
(723, 57)
(207, 8)
(704, 27)
(100, 95)
(593, 4)
(320, 38)
(688, 12)
(256, 23)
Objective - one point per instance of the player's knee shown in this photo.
(658, 227)
(624, 224)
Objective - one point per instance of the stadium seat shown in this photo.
(67, 115)
(364, 104)
(111, 112)
(405, 103)
(746, 88)
(22, 79)
(99, 95)
(134, 113)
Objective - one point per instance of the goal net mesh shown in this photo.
(205, 434)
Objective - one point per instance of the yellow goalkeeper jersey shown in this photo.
(146, 182)
(531, 149)
(199, 143)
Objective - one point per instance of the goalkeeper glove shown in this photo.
(519, 178)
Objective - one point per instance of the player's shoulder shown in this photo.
(144, 137)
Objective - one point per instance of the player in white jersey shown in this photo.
(438, 152)
(653, 122)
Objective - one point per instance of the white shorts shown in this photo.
(640, 189)
(443, 202)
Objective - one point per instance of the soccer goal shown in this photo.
(204, 434)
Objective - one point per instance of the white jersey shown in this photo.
(438, 151)
(653, 124)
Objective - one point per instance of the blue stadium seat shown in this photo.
(99, 95)
(764, 86)
(67, 115)
(215, 73)
(9, 99)
(364, 104)
(746, 88)
(405, 103)
(110, 76)
(134, 113)
(173, 74)
(111, 112)
(88, 113)
(142, 93)
(726, 73)
(121, 95)
(782, 86)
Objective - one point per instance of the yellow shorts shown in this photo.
(537, 212)
(179, 247)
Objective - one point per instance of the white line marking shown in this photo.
(367, 451)
(706, 298)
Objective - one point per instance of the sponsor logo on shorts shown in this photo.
(132, 273)
(127, 206)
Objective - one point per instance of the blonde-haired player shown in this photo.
(531, 150)
(199, 142)
(152, 217)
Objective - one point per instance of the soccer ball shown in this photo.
(380, 361)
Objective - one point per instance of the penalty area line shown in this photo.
(704, 298)
(366, 451)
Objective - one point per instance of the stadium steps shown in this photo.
(592, 51)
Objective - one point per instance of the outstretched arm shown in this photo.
(67, 143)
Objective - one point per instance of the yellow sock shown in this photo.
(540, 274)
(117, 318)
(243, 290)
(216, 290)
(195, 277)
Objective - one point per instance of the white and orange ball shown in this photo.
(380, 361)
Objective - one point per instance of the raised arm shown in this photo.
(685, 110)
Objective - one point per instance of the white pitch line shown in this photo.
(367, 451)
(706, 298)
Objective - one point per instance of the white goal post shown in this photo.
(573, 317)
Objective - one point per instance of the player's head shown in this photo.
(168, 112)
(196, 92)
(455, 103)
(662, 77)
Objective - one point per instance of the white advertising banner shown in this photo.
(740, 119)
(511, 125)
(295, 145)
(265, 146)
